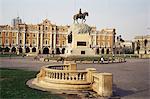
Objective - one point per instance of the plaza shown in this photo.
(131, 79)
(87, 49)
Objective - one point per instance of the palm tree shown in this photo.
(145, 43)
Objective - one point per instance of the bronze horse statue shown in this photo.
(80, 16)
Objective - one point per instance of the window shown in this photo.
(33, 41)
(6, 41)
(81, 43)
(20, 41)
(82, 52)
(0, 33)
(27, 41)
(96, 37)
(63, 42)
(27, 34)
(45, 28)
(13, 41)
(46, 41)
(33, 35)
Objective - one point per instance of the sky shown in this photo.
(129, 17)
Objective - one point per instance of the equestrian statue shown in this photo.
(80, 15)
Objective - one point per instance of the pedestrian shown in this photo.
(102, 59)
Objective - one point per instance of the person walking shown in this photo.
(102, 59)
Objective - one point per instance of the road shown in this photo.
(131, 79)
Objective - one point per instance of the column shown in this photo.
(51, 40)
(37, 42)
(24, 42)
(95, 39)
(54, 40)
(17, 43)
(17, 37)
(41, 42)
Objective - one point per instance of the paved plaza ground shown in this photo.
(131, 79)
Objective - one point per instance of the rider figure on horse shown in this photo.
(80, 15)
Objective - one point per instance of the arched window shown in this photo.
(27, 41)
(20, 50)
(107, 51)
(102, 51)
(97, 51)
(7, 49)
(27, 49)
(46, 42)
(13, 41)
(63, 51)
(45, 50)
(45, 28)
(33, 49)
(57, 51)
(13, 49)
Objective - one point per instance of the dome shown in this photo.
(80, 28)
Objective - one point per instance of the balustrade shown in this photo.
(66, 75)
(59, 67)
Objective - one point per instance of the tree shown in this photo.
(138, 46)
(145, 43)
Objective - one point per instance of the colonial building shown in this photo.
(142, 44)
(49, 38)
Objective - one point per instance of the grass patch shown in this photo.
(12, 85)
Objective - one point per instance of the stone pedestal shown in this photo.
(105, 84)
(90, 72)
(80, 43)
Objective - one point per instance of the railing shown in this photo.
(57, 67)
(63, 74)
(67, 77)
